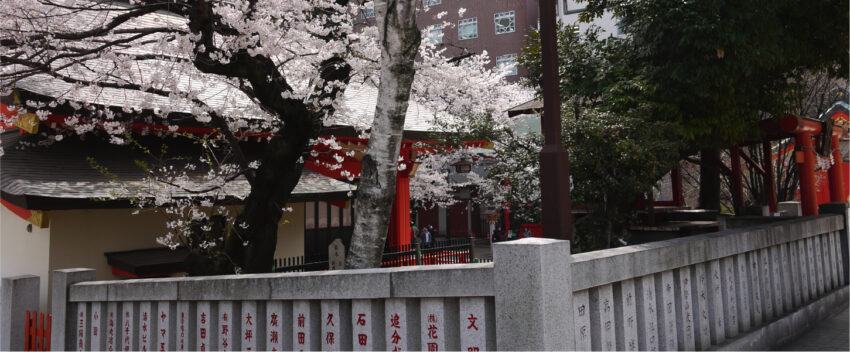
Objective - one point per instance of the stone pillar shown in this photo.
(794, 264)
(477, 324)
(626, 315)
(819, 265)
(113, 326)
(765, 286)
(810, 267)
(144, 325)
(716, 308)
(280, 325)
(306, 325)
(336, 325)
(81, 321)
(96, 328)
(205, 327)
(61, 338)
(647, 313)
(185, 326)
(581, 320)
(776, 280)
(802, 261)
(402, 324)
(666, 303)
(439, 324)
(684, 308)
(533, 295)
(127, 332)
(743, 290)
(785, 272)
(602, 334)
(252, 337)
(755, 287)
(19, 294)
(367, 324)
(699, 285)
(842, 209)
(730, 294)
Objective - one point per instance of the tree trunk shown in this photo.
(709, 180)
(399, 38)
(252, 240)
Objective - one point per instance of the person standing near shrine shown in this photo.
(526, 233)
(414, 234)
(426, 236)
(498, 235)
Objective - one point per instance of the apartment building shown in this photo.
(498, 27)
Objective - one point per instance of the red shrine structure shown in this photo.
(326, 160)
(334, 156)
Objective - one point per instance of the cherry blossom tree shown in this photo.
(280, 67)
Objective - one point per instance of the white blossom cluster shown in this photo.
(112, 74)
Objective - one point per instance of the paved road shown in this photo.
(832, 334)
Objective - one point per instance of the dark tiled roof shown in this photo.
(61, 171)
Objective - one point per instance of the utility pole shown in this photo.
(554, 159)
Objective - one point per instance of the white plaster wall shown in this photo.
(81, 237)
(23, 252)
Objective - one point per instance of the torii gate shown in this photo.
(804, 131)
(344, 163)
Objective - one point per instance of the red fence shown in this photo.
(37, 332)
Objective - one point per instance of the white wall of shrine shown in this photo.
(80, 237)
(24, 252)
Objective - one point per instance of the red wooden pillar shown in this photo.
(769, 179)
(836, 173)
(805, 157)
(737, 179)
(676, 181)
(399, 231)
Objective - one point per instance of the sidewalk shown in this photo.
(831, 334)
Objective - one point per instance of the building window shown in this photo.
(369, 12)
(467, 28)
(435, 35)
(507, 64)
(567, 10)
(429, 3)
(505, 22)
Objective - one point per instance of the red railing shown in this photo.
(37, 332)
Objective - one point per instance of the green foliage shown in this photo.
(614, 159)
(719, 63)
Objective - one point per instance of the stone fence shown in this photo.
(689, 293)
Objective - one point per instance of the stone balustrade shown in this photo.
(690, 293)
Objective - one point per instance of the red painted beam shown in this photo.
(796, 124)
(676, 182)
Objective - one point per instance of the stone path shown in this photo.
(832, 334)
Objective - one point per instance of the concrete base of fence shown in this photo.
(19, 294)
(791, 326)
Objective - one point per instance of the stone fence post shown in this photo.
(842, 209)
(60, 307)
(19, 294)
(534, 296)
